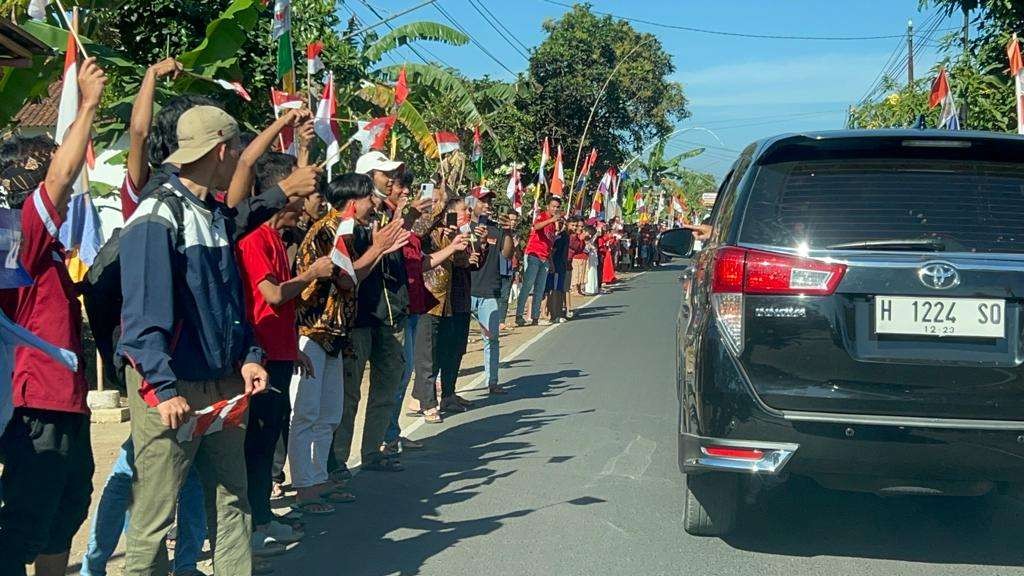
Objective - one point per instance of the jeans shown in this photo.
(486, 312)
(506, 293)
(113, 516)
(393, 431)
(535, 276)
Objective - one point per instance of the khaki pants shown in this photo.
(161, 465)
(384, 348)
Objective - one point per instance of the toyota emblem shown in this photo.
(939, 275)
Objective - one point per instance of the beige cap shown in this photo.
(201, 129)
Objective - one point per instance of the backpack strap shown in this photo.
(170, 198)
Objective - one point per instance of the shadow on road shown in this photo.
(404, 519)
(804, 519)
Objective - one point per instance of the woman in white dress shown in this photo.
(592, 272)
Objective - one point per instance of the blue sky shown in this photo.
(739, 89)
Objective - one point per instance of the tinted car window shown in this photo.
(969, 206)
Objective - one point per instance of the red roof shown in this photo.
(42, 113)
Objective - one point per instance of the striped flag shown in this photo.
(557, 176)
(941, 94)
(284, 101)
(281, 32)
(81, 229)
(325, 126)
(231, 413)
(313, 62)
(447, 142)
(371, 135)
(340, 254)
(514, 190)
(1017, 70)
(235, 87)
(478, 154)
(597, 206)
(545, 153)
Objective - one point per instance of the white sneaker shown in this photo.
(282, 532)
(264, 546)
(544, 322)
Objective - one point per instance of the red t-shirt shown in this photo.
(540, 241)
(49, 308)
(420, 299)
(261, 255)
(129, 197)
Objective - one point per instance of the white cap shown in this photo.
(376, 160)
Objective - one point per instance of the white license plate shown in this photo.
(971, 317)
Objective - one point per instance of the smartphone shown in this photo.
(451, 219)
(426, 190)
(483, 220)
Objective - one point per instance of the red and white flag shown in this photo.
(235, 87)
(545, 153)
(447, 142)
(557, 176)
(231, 413)
(1017, 70)
(325, 126)
(339, 253)
(284, 101)
(313, 62)
(941, 94)
(514, 190)
(373, 134)
(401, 89)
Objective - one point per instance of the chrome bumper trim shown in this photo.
(903, 421)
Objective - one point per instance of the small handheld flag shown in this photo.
(447, 142)
(340, 255)
(231, 413)
(325, 126)
(557, 176)
(313, 62)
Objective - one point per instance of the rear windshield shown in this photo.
(969, 206)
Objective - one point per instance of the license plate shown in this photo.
(969, 317)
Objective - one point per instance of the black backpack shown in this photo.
(101, 291)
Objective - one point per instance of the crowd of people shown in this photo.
(253, 297)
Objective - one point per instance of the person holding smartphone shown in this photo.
(538, 261)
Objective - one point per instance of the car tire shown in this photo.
(712, 503)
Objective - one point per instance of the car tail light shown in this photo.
(740, 271)
(730, 452)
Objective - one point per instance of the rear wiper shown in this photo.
(925, 244)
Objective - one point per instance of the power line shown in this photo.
(498, 30)
(733, 34)
(503, 27)
(390, 27)
(448, 17)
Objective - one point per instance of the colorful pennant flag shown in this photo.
(230, 413)
(281, 32)
(1017, 70)
(941, 94)
(597, 206)
(325, 126)
(545, 153)
(557, 176)
(313, 62)
(447, 142)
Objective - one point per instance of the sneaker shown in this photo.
(281, 532)
(560, 321)
(543, 322)
(263, 546)
(520, 321)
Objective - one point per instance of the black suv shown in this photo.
(855, 318)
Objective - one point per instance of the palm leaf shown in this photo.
(675, 160)
(384, 98)
(411, 32)
(224, 37)
(57, 38)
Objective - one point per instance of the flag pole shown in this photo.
(71, 29)
(335, 156)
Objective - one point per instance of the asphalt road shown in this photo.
(575, 472)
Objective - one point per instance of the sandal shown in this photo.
(276, 491)
(496, 391)
(384, 464)
(432, 416)
(315, 508)
(463, 401)
(341, 475)
(338, 497)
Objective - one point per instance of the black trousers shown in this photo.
(440, 345)
(47, 485)
(267, 413)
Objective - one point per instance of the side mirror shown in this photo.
(677, 242)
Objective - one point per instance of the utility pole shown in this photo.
(910, 53)
(967, 62)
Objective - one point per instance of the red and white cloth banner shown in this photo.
(941, 94)
(339, 253)
(447, 142)
(231, 413)
(325, 126)
(1017, 70)
(284, 101)
(313, 62)
(235, 87)
(514, 190)
(557, 176)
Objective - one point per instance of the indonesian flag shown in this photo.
(325, 126)
(339, 253)
(514, 191)
(232, 413)
(373, 134)
(401, 89)
(81, 228)
(447, 142)
(557, 177)
(235, 87)
(313, 62)
(638, 201)
(1017, 70)
(545, 153)
(284, 101)
(478, 151)
(941, 94)
(281, 32)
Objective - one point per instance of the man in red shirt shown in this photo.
(48, 464)
(538, 261)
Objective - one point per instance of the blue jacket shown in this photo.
(183, 316)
